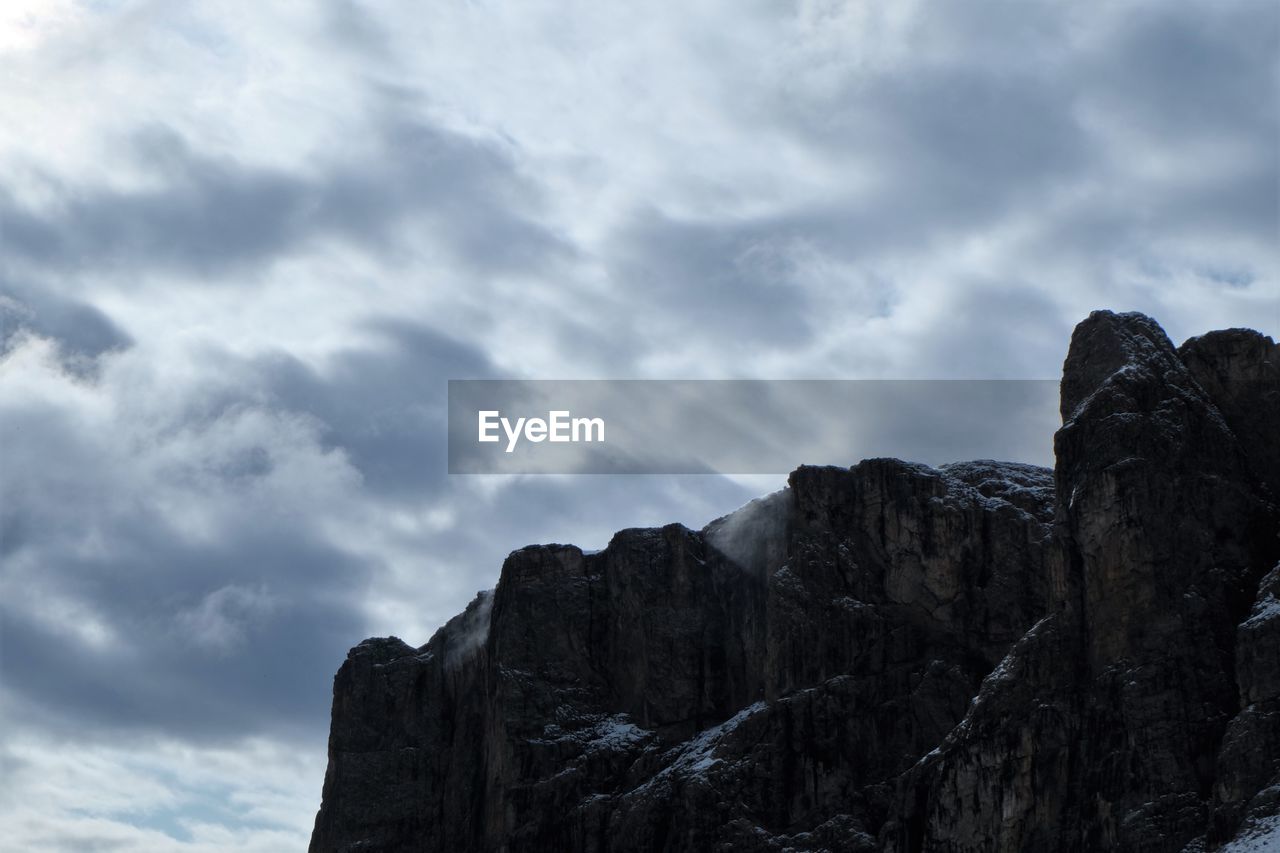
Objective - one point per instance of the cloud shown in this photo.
(735, 278)
(214, 217)
(141, 550)
(382, 406)
(148, 795)
(82, 332)
(195, 558)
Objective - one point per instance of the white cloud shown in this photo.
(155, 796)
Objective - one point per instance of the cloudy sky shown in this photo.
(243, 245)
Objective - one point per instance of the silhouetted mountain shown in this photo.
(985, 656)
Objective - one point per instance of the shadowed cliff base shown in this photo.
(986, 656)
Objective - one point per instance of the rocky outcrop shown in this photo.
(985, 656)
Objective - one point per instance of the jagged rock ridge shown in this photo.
(982, 657)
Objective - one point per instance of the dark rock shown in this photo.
(986, 656)
(1240, 371)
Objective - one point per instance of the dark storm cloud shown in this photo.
(1192, 70)
(952, 149)
(384, 407)
(213, 217)
(274, 676)
(82, 331)
(240, 633)
(1200, 80)
(181, 612)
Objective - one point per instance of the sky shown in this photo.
(244, 245)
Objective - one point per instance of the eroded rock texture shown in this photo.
(982, 657)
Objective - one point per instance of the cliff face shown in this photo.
(986, 656)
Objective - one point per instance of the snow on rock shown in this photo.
(697, 756)
(1265, 609)
(1262, 836)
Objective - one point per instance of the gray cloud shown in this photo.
(142, 666)
(83, 332)
(384, 408)
(953, 148)
(1098, 144)
(731, 279)
(213, 217)
(1191, 69)
(166, 678)
(238, 632)
(294, 596)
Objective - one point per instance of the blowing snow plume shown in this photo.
(755, 535)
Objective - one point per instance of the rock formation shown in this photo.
(985, 656)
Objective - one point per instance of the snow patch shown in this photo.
(613, 733)
(1004, 669)
(786, 581)
(853, 605)
(1262, 836)
(1264, 610)
(697, 756)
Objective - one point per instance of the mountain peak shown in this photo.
(886, 657)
